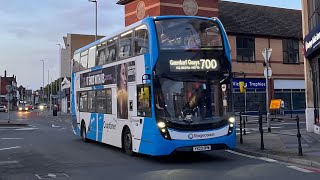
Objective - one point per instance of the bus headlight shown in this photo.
(161, 124)
(232, 120)
(163, 130)
(20, 108)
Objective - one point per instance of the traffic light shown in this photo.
(242, 87)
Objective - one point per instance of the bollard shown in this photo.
(261, 131)
(241, 139)
(299, 136)
(244, 125)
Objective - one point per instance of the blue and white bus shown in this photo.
(161, 85)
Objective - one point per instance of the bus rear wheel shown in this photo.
(127, 142)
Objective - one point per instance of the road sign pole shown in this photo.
(9, 111)
(267, 93)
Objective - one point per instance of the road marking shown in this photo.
(16, 147)
(300, 169)
(26, 129)
(267, 159)
(11, 138)
(240, 154)
(8, 162)
(54, 126)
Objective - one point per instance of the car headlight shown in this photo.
(20, 109)
(41, 107)
(232, 120)
(26, 109)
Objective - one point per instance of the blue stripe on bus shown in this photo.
(96, 68)
(100, 126)
(97, 87)
(92, 130)
(75, 125)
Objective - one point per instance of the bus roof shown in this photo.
(135, 25)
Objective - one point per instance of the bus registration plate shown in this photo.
(202, 148)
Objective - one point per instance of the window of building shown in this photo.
(141, 41)
(92, 57)
(91, 101)
(290, 51)
(313, 13)
(125, 49)
(84, 60)
(83, 107)
(245, 49)
(76, 62)
(144, 101)
(112, 50)
(101, 54)
(101, 101)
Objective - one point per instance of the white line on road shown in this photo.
(300, 169)
(11, 138)
(26, 129)
(252, 157)
(267, 159)
(8, 162)
(16, 147)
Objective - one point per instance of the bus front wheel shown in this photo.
(127, 142)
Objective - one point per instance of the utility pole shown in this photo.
(267, 73)
(60, 78)
(42, 80)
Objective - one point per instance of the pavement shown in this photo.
(282, 142)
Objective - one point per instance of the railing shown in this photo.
(259, 119)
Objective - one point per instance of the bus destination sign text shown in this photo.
(193, 65)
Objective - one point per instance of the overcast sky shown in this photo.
(30, 30)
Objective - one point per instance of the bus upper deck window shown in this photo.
(141, 41)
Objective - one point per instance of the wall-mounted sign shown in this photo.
(190, 7)
(193, 65)
(312, 41)
(141, 10)
(250, 83)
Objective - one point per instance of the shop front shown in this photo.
(312, 55)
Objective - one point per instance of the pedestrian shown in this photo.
(282, 107)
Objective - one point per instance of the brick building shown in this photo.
(250, 29)
(4, 81)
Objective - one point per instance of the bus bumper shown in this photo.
(158, 146)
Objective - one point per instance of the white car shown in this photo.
(3, 108)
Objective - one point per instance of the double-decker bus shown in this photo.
(161, 85)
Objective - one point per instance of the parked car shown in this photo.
(3, 108)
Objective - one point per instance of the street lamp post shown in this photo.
(42, 80)
(59, 78)
(96, 3)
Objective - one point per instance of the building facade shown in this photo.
(250, 29)
(4, 81)
(311, 32)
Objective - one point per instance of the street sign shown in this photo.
(9, 97)
(266, 53)
(269, 72)
(9, 88)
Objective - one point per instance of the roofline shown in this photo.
(260, 5)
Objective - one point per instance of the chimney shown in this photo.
(5, 73)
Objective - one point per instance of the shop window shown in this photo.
(245, 49)
(313, 13)
(83, 102)
(91, 101)
(290, 51)
(144, 100)
(125, 49)
(141, 40)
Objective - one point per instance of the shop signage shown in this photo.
(251, 83)
(312, 41)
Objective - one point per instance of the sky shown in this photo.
(30, 31)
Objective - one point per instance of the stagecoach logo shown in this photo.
(141, 10)
(190, 7)
(201, 136)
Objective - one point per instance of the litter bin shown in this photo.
(55, 111)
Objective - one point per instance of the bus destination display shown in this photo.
(193, 65)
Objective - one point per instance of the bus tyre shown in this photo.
(127, 142)
(83, 133)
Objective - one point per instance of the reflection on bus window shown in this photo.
(188, 34)
(111, 51)
(125, 45)
(141, 42)
(101, 55)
